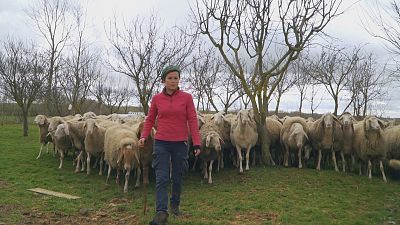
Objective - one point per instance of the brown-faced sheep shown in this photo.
(121, 151)
(44, 136)
(369, 143)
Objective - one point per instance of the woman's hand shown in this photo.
(141, 142)
(197, 152)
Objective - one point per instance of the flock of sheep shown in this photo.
(113, 140)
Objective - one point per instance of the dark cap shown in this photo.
(169, 69)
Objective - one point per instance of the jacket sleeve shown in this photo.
(192, 120)
(150, 119)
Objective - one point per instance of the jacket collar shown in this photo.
(165, 92)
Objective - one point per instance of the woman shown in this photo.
(175, 113)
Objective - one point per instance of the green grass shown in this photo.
(263, 195)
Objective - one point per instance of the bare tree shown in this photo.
(299, 69)
(314, 101)
(203, 76)
(282, 87)
(50, 18)
(229, 89)
(81, 68)
(331, 68)
(22, 73)
(251, 34)
(140, 51)
(367, 83)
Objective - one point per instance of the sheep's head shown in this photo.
(244, 116)
(89, 115)
(346, 119)
(371, 123)
(61, 130)
(40, 120)
(128, 155)
(307, 151)
(89, 126)
(219, 118)
(200, 119)
(213, 140)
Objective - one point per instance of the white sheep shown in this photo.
(44, 136)
(369, 143)
(392, 139)
(347, 121)
(273, 127)
(294, 137)
(62, 142)
(121, 151)
(326, 136)
(94, 143)
(244, 135)
(77, 133)
(211, 149)
(89, 115)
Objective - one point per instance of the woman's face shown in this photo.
(172, 81)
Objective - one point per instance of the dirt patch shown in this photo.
(3, 184)
(5, 209)
(116, 213)
(255, 218)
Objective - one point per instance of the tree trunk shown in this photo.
(301, 102)
(278, 101)
(336, 106)
(25, 121)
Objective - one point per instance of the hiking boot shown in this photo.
(160, 218)
(174, 210)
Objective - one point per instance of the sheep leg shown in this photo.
(88, 164)
(222, 159)
(96, 162)
(353, 162)
(334, 161)
(219, 162)
(369, 169)
(239, 161)
(248, 158)
(382, 170)
(128, 172)
(108, 174)
(101, 164)
(210, 171)
(78, 162)
(83, 161)
(61, 159)
(195, 162)
(253, 163)
(359, 168)
(286, 156)
(117, 178)
(138, 173)
(299, 156)
(40, 152)
(205, 170)
(47, 147)
(343, 161)
(319, 160)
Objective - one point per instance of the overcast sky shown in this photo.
(347, 28)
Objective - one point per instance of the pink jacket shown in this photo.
(175, 114)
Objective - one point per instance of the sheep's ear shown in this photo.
(222, 142)
(367, 124)
(208, 139)
(382, 124)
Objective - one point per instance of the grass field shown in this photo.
(263, 195)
